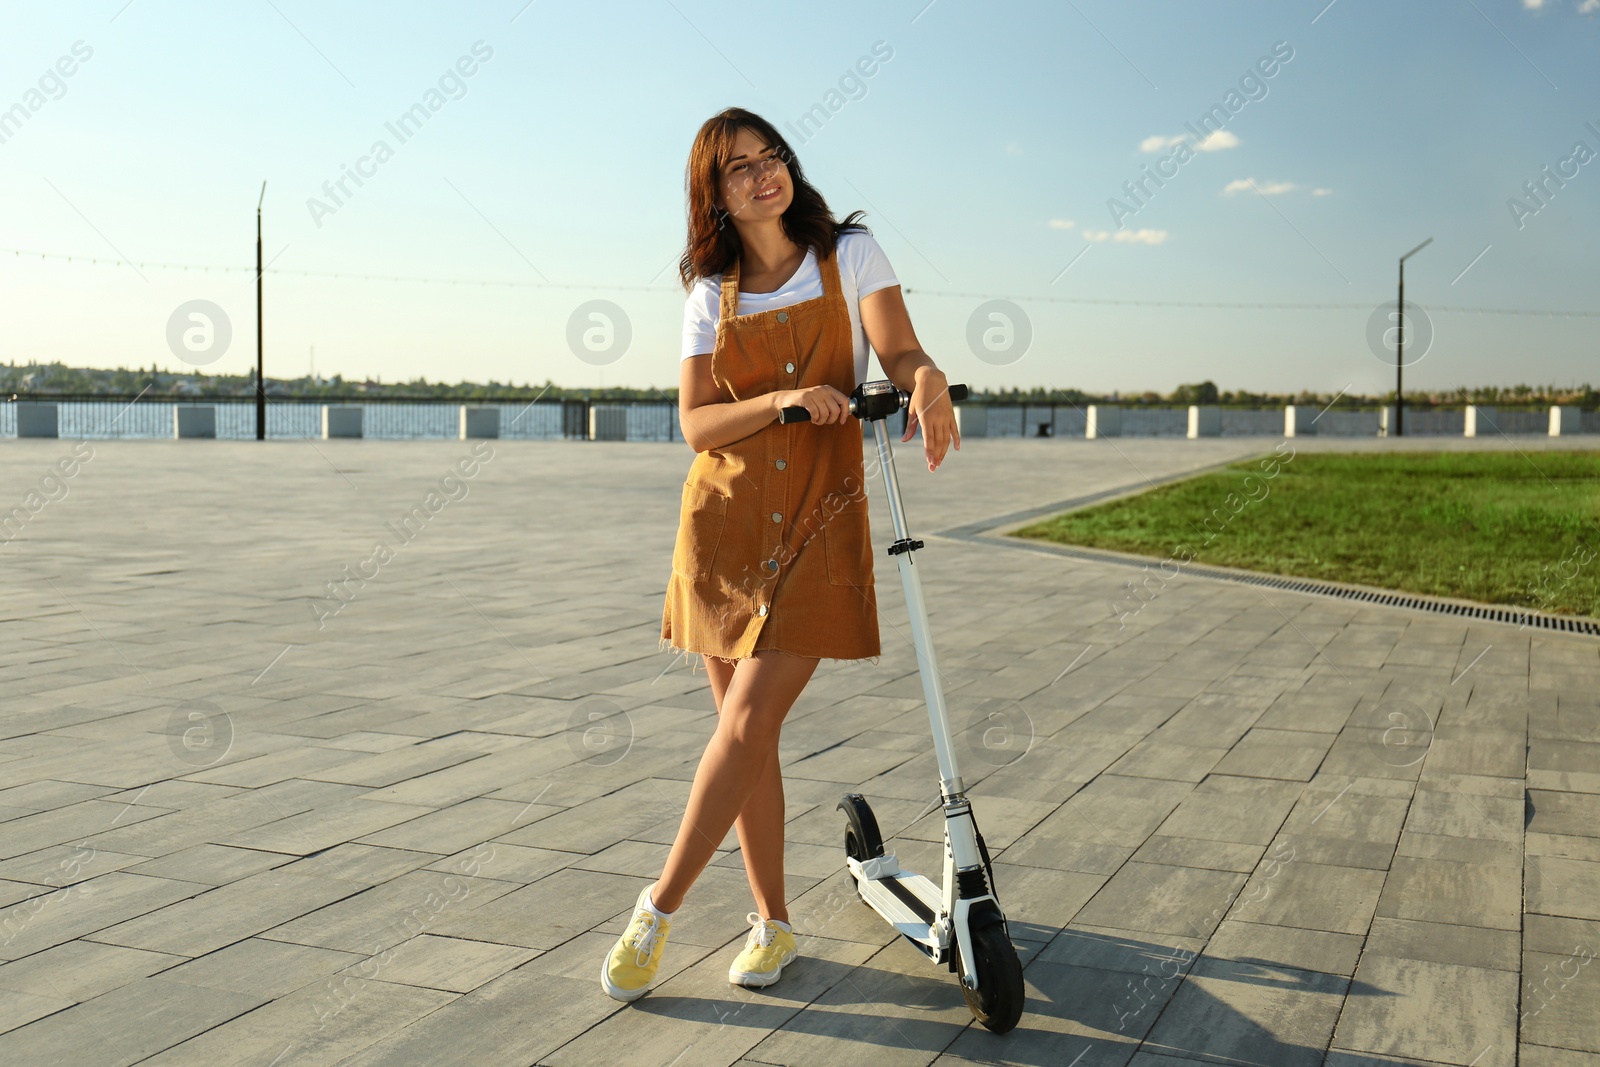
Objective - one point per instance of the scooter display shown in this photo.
(958, 924)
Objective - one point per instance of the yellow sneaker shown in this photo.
(630, 970)
(769, 948)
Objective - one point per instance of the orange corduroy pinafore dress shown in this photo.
(774, 548)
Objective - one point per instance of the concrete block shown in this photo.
(479, 422)
(1105, 420)
(341, 421)
(1204, 421)
(1480, 421)
(37, 420)
(1564, 421)
(194, 421)
(972, 420)
(1298, 421)
(608, 422)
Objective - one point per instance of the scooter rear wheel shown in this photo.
(998, 1000)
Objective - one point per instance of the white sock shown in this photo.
(779, 922)
(650, 903)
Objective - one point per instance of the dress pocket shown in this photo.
(700, 525)
(848, 545)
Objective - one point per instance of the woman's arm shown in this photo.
(888, 326)
(710, 421)
(707, 419)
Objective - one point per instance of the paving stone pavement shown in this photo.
(245, 821)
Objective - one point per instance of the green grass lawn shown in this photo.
(1487, 526)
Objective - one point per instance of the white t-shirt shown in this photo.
(863, 269)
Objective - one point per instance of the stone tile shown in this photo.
(1444, 1012)
(1241, 810)
(367, 921)
(1460, 894)
(1577, 814)
(1288, 754)
(210, 864)
(324, 826)
(491, 1025)
(1285, 946)
(87, 907)
(1251, 1013)
(452, 829)
(1123, 951)
(1560, 1005)
(510, 863)
(79, 970)
(1191, 852)
(1173, 900)
(1564, 887)
(447, 963)
(1464, 946)
(61, 865)
(313, 1025)
(19, 1009)
(126, 1024)
(363, 864)
(226, 914)
(1311, 896)
(270, 969)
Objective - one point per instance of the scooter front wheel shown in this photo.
(997, 1002)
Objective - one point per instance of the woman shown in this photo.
(772, 568)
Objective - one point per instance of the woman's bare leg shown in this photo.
(741, 753)
(760, 822)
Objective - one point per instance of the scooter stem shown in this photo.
(950, 783)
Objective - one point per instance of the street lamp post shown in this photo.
(1400, 344)
(261, 385)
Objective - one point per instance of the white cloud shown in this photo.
(1062, 224)
(1217, 141)
(1213, 142)
(1239, 185)
(1319, 191)
(1013, 149)
(1128, 237)
(1589, 7)
(1533, 5)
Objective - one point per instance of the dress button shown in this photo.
(771, 565)
(762, 610)
(789, 367)
(777, 517)
(783, 316)
(782, 464)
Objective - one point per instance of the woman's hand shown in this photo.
(825, 403)
(930, 406)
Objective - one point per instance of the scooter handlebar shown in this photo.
(957, 393)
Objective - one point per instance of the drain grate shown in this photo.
(1486, 612)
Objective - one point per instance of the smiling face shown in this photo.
(754, 185)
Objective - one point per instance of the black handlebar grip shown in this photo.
(800, 414)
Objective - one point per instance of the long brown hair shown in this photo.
(713, 243)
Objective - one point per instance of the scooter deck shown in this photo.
(907, 901)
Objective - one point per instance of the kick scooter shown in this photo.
(959, 925)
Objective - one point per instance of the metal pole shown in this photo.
(1400, 358)
(261, 385)
(1400, 344)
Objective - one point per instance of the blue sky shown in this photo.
(985, 150)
